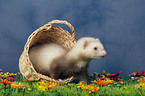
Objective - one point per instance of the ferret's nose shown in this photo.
(104, 53)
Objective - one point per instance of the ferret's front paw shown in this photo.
(60, 81)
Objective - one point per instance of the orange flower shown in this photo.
(102, 82)
(51, 85)
(5, 82)
(26, 80)
(142, 80)
(43, 86)
(20, 86)
(93, 88)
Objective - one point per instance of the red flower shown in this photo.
(1, 69)
(135, 73)
(117, 79)
(5, 82)
(115, 75)
(112, 75)
(1, 78)
(11, 78)
(142, 73)
(108, 75)
(120, 79)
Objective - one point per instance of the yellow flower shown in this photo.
(109, 85)
(118, 85)
(84, 88)
(125, 87)
(12, 74)
(121, 82)
(143, 85)
(43, 83)
(137, 86)
(108, 74)
(90, 88)
(13, 85)
(115, 83)
(103, 76)
(29, 89)
(103, 72)
(108, 80)
(80, 84)
(91, 75)
(1, 75)
(42, 88)
(20, 86)
(5, 75)
(134, 74)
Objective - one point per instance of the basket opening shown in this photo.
(41, 36)
(54, 35)
(64, 27)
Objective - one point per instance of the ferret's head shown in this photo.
(91, 47)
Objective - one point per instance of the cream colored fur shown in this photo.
(88, 51)
(42, 56)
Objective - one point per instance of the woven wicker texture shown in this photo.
(45, 34)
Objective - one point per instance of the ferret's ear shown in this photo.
(97, 39)
(85, 44)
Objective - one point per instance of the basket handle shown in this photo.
(66, 23)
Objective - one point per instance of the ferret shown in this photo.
(54, 61)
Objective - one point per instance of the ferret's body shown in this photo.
(42, 56)
(54, 61)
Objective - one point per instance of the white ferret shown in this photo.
(52, 60)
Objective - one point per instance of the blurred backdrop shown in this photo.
(120, 25)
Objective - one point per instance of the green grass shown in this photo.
(117, 88)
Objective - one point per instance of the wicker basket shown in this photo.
(45, 34)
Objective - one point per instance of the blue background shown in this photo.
(120, 25)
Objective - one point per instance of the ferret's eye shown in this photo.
(95, 48)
